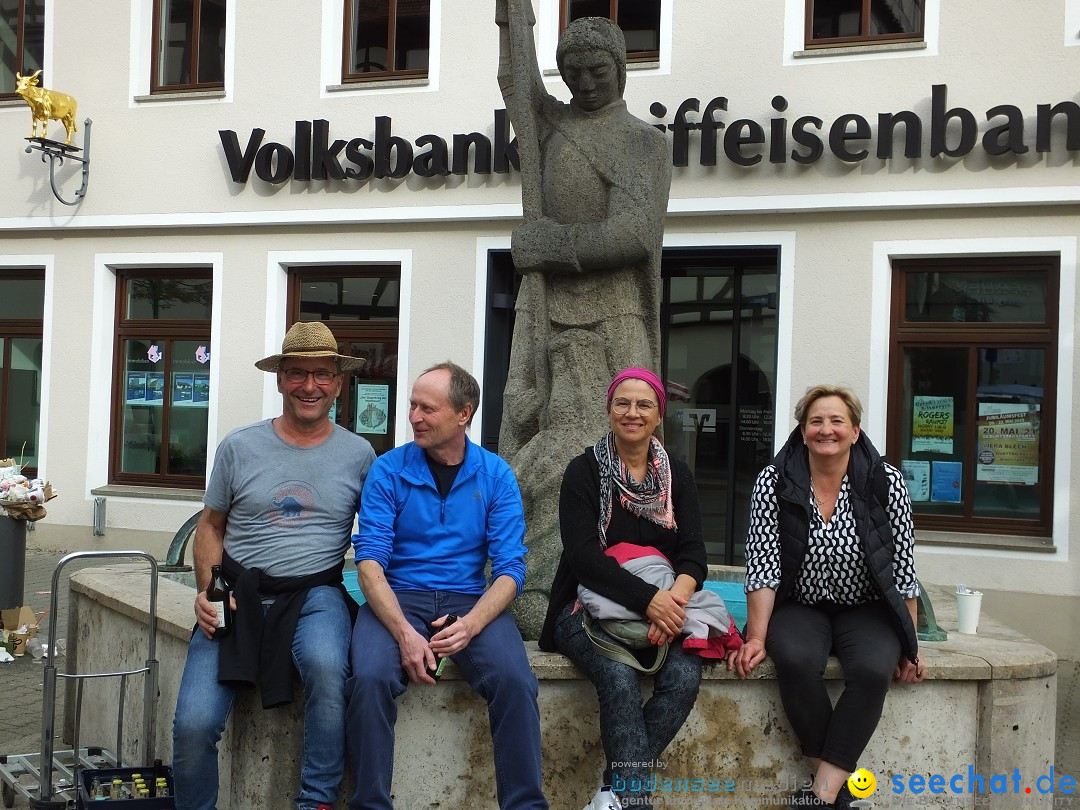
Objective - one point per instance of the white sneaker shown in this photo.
(604, 799)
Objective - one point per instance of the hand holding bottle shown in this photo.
(214, 607)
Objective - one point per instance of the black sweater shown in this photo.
(583, 560)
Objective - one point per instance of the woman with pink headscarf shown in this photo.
(626, 490)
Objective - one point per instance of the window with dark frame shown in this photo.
(22, 310)
(385, 39)
(188, 46)
(638, 19)
(718, 322)
(161, 377)
(360, 304)
(22, 41)
(857, 22)
(972, 381)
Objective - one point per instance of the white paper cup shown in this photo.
(968, 606)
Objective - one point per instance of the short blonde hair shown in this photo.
(812, 395)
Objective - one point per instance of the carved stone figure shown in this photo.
(595, 182)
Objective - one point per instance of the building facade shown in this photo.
(877, 193)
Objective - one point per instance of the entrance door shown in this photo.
(718, 324)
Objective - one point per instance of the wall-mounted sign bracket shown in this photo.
(58, 152)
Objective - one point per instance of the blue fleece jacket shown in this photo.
(427, 543)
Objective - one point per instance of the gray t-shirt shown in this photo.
(290, 509)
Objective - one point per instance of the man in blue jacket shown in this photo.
(433, 513)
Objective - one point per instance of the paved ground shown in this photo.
(21, 680)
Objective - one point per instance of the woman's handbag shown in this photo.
(626, 641)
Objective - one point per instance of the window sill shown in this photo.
(998, 542)
(850, 50)
(12, 102)
(379, 83)
(182, 95)
(165, 493)
(652, 64)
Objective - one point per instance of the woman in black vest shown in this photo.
(829, 568)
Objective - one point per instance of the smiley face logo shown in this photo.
(862, 783)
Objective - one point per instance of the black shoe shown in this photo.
(844, 798)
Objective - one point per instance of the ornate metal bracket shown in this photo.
(56, 151)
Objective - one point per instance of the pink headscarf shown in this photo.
(644, 375)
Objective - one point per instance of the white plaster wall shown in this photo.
(162, 157)
(159, 186)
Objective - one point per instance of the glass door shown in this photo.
(719, 355)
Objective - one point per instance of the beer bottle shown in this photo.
(220, 597)
(441, 665)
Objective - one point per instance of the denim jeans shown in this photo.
(632, 732)
(320, 651)
(864, 639)
(494, 665)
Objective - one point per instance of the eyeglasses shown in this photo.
(297, 376)
(622, 406)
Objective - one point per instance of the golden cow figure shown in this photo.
(46, 104)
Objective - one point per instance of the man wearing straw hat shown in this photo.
(278, 515)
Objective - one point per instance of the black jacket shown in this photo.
(583, 560)
(259, 648)
(869, 497)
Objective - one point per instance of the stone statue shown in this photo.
(595, 184)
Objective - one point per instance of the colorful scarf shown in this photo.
(649, 499)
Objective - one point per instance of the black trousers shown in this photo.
(800, 638)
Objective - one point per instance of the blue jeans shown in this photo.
(320, 652)
(494, 665)
(632, 732)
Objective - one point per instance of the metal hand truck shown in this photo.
(61, 794)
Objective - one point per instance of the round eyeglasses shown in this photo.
(622, 406)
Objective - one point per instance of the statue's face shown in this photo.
(592, 78)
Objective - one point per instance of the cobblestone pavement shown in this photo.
(21, 681)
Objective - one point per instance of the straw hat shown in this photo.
(309, 339)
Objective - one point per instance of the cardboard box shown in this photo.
(16, 617)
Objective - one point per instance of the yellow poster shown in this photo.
(1008, 451)
(932, 425)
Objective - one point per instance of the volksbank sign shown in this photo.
(698, 134)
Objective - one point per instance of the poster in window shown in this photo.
(155, 387)
(372, 408)
(917, 478)
(945, 481)
(932, 425)
(136, 388)
(200, 392)
(1008, 443)
(182, 389)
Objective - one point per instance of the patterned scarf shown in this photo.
(649, 499)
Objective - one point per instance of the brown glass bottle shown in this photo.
(221, 599)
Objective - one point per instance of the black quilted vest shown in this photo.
(869, 495)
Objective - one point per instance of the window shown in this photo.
(161, 389)
(22, 304)
(855, 22)
(189, 45)
(638, 19)
(22, 41)
(971, 389)
(386, 38)
(360, 305)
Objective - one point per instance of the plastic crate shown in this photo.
(87, 777)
